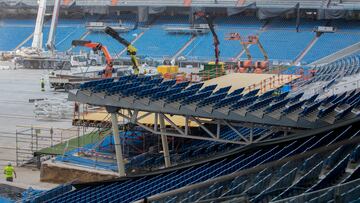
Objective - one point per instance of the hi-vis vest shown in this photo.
(9, 170)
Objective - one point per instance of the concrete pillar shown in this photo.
(118, 150)
(164, 142)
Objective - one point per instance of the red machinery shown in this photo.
(252, 39)
(98, 47)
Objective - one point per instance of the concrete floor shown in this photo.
(16, 88)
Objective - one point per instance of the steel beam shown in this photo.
(173, 124)
(236, 131)
(164, 141)
(118, 150)
(203, 127)
(184, 136)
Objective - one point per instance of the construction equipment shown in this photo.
(252, 39)
(50, 44)
(216, 41)
(38, 33)
(35, 57)
(108, 71)
(131, 50)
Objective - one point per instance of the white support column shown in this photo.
(118, 151)
(164, 142)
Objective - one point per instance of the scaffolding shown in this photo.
(30, 140)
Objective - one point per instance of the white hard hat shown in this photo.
(9, 163)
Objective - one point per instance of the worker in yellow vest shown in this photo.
(42, 82)
(9, 172)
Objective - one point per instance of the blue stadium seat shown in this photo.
(324, 112)
(165, 93)
(208, 88)
(332, 176)
(236, 92)
(243, 102)
(260, 104)
(195, 86)
(182, 84)
(293, 107)
(223, 90)
(266, 95)
(212, 99)
(181, 96)
(252, 93)
(277, 106)
(197, 97)
(310, 109)
(227, 101)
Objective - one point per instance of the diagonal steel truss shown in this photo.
(175, 130)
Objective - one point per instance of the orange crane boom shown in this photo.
(98, 47)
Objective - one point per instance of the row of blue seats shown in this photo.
(195, 150)
(266, 179)
(258, 188)
(332, 72)
(46, 195)
(132, 190)
(155, 89)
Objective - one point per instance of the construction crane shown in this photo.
(50, 44)
(98, 47)
(38, 32)
(210, 23)
(131, 50)
(252, 39)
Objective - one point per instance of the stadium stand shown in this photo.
(329, 43)
(328, 75)
(274, 35)
(277, 182)
(157, 43)
(313, 154)
(20, 29)
(275, 41)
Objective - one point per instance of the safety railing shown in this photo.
(338, 190)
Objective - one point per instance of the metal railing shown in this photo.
(31, 139)
(337, 191)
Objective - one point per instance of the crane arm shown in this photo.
(131, 50)
(266, 57)
(237, 36)
(97, 47)
(210, 23)
(247, 51)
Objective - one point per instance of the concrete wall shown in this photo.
(61, 173)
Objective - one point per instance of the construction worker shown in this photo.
(42, 82)
(9, 171)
